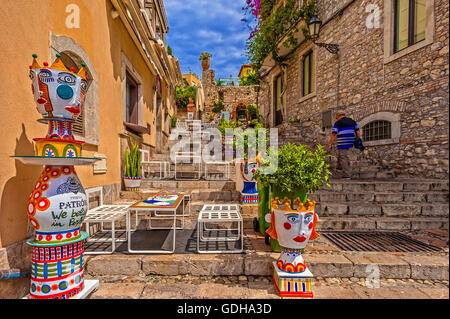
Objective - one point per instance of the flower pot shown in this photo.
(132, 183)
(205, 64)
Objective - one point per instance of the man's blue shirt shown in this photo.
(345, 129)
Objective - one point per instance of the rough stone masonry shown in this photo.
(409, 89)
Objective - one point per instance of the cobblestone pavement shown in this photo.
(259, 287)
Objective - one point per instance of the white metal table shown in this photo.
(220, 214)
(156, 203)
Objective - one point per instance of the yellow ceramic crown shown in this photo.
(58, 65)
(286, 204)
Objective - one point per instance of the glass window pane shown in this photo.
(420, 20)
(279, 90)
(401, 27)
(306, 71)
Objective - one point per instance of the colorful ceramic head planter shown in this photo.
(58, 91)
(293, 227)
(248, 170)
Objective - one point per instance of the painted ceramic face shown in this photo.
(248, 170)
(58, 94)
(293, 228)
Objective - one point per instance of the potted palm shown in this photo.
(132, 178)
(204, 57)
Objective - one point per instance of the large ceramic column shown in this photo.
(58, 204)
(293, 225)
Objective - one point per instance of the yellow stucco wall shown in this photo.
(191, 78)
(25, 26)
(245, 70)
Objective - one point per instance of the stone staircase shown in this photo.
(396, 204)
(370, 203)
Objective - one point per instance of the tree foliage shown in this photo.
(298, 169)
(183, 94)
(250, 79)
(274, 23)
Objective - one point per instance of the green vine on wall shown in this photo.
(274, 23)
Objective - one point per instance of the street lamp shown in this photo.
(314, 28)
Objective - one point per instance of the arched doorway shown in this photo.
(240, 113)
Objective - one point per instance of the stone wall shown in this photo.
(230, 95)
(410, 89)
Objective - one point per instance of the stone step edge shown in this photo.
(344, 265)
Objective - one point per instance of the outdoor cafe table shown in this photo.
(156, 203)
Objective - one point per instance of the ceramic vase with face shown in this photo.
(58, 92)
(57, 206)
(293, 226)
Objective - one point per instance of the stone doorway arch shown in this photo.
(238, 109)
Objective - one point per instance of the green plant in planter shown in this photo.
(205, 56)
(173, 121)
(299, 172)
(133, 161)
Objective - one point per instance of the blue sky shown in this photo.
(207, 25)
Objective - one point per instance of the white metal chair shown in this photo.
(164, 166)
(188, 158)
(104, 214)
(216, 214)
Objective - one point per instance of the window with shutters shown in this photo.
(308, 73)
(278, 98)
(409, 26)
(409, 23)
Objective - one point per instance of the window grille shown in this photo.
(377, 130)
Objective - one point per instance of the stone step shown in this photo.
(386, 185)
(259, 287)
(381, 197)
(382, 223)
(187, 184)
(403, 209)
(341, 265)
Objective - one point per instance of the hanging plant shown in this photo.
(273, 24)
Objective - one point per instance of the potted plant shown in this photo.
(133, 177)
(292, 216)
(204, 57)
(173, 121)
(299, 172)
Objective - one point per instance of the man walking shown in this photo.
(346, 131)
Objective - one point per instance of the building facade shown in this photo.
(191, 79)
(131, 95)
(390, 75)
(230, 96)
